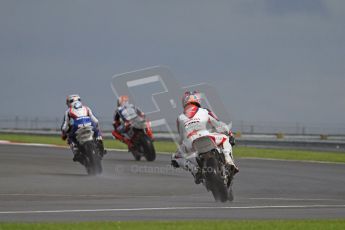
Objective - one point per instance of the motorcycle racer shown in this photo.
(124, 113)
(196, 122)
(77, 112)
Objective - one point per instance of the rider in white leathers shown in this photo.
(75, 112)
(196, 122)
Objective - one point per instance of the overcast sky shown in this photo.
(272, 60)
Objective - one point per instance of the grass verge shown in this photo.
(168, 146)
(186, 225)
(161, 146)
(288, 154)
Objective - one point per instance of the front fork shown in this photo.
(148, 130)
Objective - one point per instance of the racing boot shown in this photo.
(130, 146)
(77, 156)
(100, 146)
(232, 169)
(177, 161)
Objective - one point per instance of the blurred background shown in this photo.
(278, 65)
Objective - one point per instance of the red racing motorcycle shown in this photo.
(139, 138)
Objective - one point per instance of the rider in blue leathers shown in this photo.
(77, 114)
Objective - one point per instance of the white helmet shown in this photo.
(72, 98)
(191, 98)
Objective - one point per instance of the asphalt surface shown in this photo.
(43, 184)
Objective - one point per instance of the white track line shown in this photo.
(80, 195)
(4, 142)
(29, 144)
(302, 161)
(158, 196)
(171, 209)
(294, 199)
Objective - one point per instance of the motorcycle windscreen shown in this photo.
(138, 123)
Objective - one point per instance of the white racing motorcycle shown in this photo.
(215, 177)
(90, 153)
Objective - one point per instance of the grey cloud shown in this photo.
(250, 50)
(296, 6)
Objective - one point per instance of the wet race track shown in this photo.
(44, 184)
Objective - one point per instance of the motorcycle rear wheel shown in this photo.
(149, 149)
(215, 182)
(93, 160)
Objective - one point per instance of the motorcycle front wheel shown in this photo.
(148, 147)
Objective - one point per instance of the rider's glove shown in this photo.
(141, 114)
(232, 139)
(127, 125)
(63, 136)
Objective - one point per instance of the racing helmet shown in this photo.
(72, 98)
(191, 98)
(122, 100)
